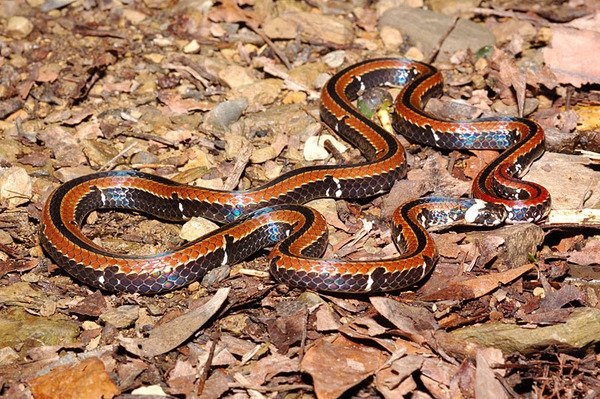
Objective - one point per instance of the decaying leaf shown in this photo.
(169, 335)
(85, 380)
(339, 365)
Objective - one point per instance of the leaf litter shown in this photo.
(225, 95)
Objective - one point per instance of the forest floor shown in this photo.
(225, 94)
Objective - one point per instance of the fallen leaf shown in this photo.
(92, 305)
(11, 266)
(482, 158)
(85, 380)
(337, 366)
(589, 254)
(574, 55)
(182, 377)
(486, 384)
(395, 380)
(396, 312)
(170, 335)
(269, 366)
(327, 320)
(179, 105)
(478, 286)
(557, 299)
(216, 385)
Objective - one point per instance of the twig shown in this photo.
(339, 157)
(211, 353)
(240, 164)
(87, 31)
(188, 71)
(146, 136)
(304, 336)
(270, 43)
(110, 164)
(436, 50)
(510, 14)
(587, 194)
(278, 388)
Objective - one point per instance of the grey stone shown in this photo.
(425, 29)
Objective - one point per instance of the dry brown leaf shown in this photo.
(170, 335)
(589, 254)
(557, 299)
(510, 76)
(339, 365)
(396, 313)
(327, 320)
(48, 73)
(179, 105)
(567, 243)
(574, 55)
(478, 286)
(395, 381)
(182, 377)
(10, 265)
(216, 385)
(448, 244)
(439, 371)
(287, 328)
(269, 366)
(85, 380)
(486, 384)
(474, 165)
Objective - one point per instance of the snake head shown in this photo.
(484, 213)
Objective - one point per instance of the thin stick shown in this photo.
(436, 50)
(110, 164)
(146, 136)
(278, 388)
(270, 43)
(240, 164)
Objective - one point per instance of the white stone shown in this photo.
(314, 149)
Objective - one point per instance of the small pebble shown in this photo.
(294, 97)
(154, 57)
(314, 149)
(19, 27)
(134, 16)
(321, 79)
(151, 390)
(192, 47)
(144, 158)
(15, 186)
(7, 356)
(121, 317)
(335, 59)
(54, 5)
(217, 30)
(5, 238)
(70, 172)
(226, 113)
(236, 76)
(391, 38)
(196, 227)
(414, 54)
(263, 154)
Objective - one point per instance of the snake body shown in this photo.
(270, 215)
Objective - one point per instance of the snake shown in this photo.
(273, 215)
